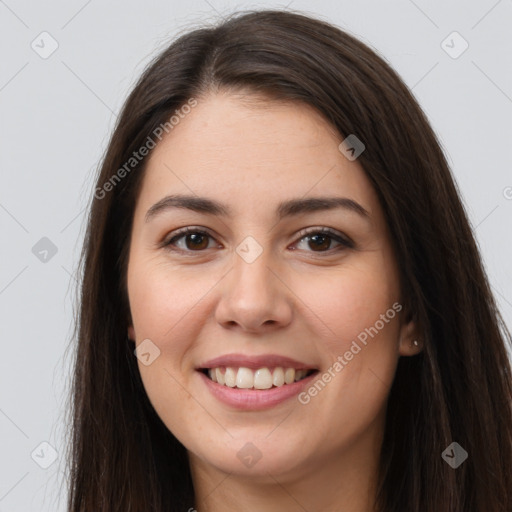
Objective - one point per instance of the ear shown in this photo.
(410, 343)
(131, 333)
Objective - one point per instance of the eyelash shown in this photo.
(345, 242)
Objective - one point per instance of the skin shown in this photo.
(294, 300)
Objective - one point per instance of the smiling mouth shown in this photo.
(262, 378)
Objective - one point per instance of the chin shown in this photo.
(254, 458)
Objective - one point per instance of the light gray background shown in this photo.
(55, 120)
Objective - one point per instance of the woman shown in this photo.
(283, 306)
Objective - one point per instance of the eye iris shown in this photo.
(196, 238)
(326, 239)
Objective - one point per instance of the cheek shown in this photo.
(348, 301)
(161, 298)
(356, 315)
(360, 308)
(167, 309)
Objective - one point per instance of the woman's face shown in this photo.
(258, 295)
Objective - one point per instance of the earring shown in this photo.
(416, 343)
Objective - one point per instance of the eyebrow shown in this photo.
(289, 208)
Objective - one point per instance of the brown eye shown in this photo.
(320, 240)
(190, 240)
(196, 241)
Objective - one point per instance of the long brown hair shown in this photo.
(459, 389)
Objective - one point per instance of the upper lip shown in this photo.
(255, 362)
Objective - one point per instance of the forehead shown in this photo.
(250, 152)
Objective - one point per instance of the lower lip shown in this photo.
(255, 399)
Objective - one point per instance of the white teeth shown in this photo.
(289, 375)
(262, 378)
(244, 378)
(278, 377)
(230, 377)
(220, 376)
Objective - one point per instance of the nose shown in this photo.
(254, 297)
